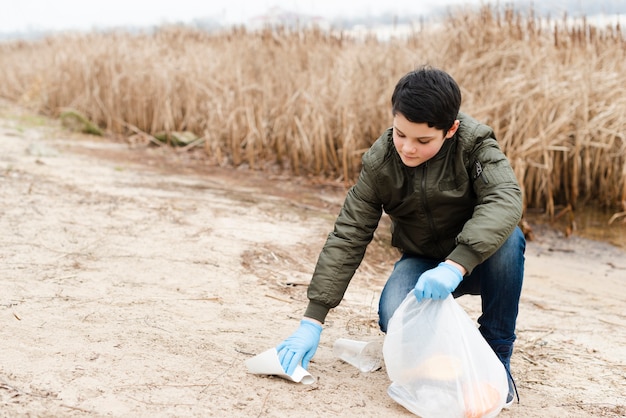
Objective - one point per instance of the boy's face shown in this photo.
(417, 143)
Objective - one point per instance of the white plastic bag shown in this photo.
(439, 363)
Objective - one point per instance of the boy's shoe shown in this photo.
(504, 351)
(512, 390)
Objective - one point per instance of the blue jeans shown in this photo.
(498, 280)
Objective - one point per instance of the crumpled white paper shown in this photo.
(267, 363)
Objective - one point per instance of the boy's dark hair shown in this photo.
(427, 95)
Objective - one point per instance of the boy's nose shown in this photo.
(409, 148)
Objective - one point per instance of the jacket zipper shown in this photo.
(431, 222)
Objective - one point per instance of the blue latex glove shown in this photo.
(437, 283)
(301, 346)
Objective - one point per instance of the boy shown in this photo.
(454, 203)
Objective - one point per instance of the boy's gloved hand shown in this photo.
(437, 283)
(301, 346)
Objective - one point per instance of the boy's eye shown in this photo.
(423, 141)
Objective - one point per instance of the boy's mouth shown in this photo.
(412, 161)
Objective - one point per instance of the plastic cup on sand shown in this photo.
(365, 356)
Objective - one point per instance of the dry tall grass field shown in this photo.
(312, 102)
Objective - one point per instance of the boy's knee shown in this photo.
(517, 239)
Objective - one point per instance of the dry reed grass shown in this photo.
(312, 102)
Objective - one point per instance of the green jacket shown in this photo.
(461, 205)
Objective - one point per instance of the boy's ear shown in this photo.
(453, 129)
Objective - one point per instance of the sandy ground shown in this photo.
(134, 286)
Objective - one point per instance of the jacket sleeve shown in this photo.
(346, 244)
(499, 204)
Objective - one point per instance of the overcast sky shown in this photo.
(43, 15)
(22, 15)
